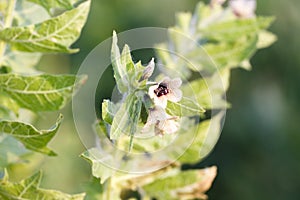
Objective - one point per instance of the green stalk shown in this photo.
(7, 23)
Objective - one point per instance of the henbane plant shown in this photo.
(183, 101)
(173, 106)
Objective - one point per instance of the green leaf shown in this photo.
(126, 119)
(185, 107)
(29, 136)
(99, 170)
(28, 189)
(41, 92)
(119, 69)
(205, 135)
(48, 4)
(109, 109)
(51, 36)
(10, 104)
(265, 39)
(234, 29)
(94, 190)
(190, 184)
(209, 92)
(128, 75)
(27, 13)
(222, 55)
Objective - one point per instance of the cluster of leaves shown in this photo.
(220, 41)
(29, 29)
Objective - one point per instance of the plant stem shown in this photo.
(7, 23)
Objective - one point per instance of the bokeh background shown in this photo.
(258, 153)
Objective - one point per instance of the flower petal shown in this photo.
(243, 8)
(151, 91)
(175, 83)
(161, 101)
(174, 95)
(168, 126)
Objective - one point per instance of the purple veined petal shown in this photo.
(175, 83)
(168, 126)
(157, 114)
(166, 80)
(243, 8)
(161, 101)
(175, 95)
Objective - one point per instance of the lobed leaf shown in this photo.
(51, 36)
(29, 136)
(40, 92)
(28, 189)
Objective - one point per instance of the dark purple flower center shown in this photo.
(161, 90)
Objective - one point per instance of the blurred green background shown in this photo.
(258, 154)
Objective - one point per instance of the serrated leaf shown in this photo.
(99, 170)
(29, 136)
(234, 29)
(40, 92)
(185, 107)
(51, 36)
(48, 4)
(190, 184)
(28, 189)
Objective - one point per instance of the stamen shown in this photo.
(161, 90)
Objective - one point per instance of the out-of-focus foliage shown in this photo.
(29, 189)
(23, 39)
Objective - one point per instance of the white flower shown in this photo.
(166, 90)
(243, 8)
(161, 121)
